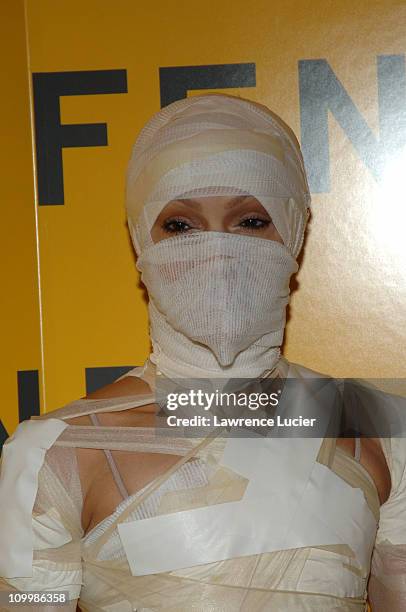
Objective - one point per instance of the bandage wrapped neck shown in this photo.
(217, 300)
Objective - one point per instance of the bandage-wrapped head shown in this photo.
(218, 300)
(217, 144)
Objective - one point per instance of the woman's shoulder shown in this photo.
(124, 387)
(129, 385)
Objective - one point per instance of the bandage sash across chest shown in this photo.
(291, 501)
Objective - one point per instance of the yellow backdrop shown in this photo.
(334, 71)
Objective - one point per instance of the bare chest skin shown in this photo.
(100, 492)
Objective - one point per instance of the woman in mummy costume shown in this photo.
(93, 502)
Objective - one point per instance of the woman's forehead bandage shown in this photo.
(192, 145)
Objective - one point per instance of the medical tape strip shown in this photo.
(275, 514)
(83, 407)
(283, 475)
(336, 513)
(22, 458)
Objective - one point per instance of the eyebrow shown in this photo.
(197, 205)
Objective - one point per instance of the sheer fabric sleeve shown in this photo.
(55, 529)
(387, 584)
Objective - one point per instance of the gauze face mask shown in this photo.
(217, 299)
(221, 290)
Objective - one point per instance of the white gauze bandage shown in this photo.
(217, 300)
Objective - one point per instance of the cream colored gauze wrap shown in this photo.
(217, 300)
(235, 525)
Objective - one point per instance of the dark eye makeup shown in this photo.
(177, 225)
(254, 223)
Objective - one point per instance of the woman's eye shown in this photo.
(174, 226)
(255, 223)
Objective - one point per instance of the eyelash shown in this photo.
(265, 223)
(166, 225)
(175, 220)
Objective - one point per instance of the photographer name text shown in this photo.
(215, 421)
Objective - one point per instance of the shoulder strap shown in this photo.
(112, 464)
(357, 454)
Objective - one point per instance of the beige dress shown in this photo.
(94, 567)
